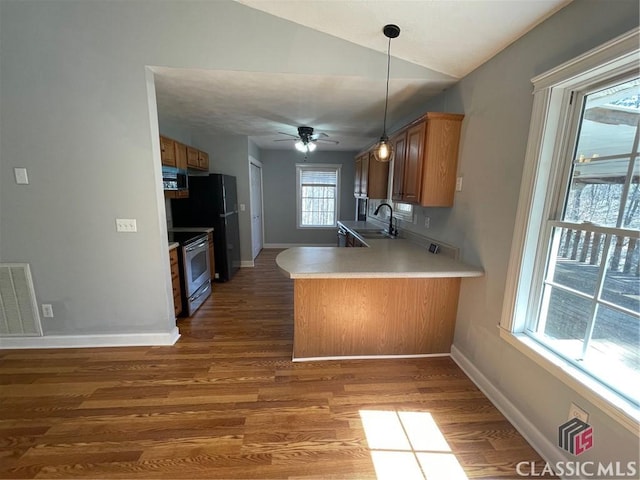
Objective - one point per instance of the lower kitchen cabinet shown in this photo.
(175, 281)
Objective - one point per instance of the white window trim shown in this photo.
(548, 138)
(299, 167)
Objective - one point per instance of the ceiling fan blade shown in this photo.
(327, 141)
(317, 135)
(286, 139)
(290, 134)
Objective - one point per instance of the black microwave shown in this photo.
(174, 179)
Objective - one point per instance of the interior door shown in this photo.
(256, 208)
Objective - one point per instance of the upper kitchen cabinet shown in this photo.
(203, 160)
(426, 160)
(197, 159)
(361, 175)
(181, 155)
(167, 151)
(371, 177)
(192, 158)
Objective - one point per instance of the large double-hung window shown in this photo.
(573, 293)
(318, 192)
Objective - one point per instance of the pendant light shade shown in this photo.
(383, 150)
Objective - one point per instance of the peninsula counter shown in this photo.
(391, 299)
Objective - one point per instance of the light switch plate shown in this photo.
(21, 176)
(127, 225)
(459, 184)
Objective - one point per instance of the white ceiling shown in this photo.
(443, 39)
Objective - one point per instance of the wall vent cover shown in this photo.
(19, 315)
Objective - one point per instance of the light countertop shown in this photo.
(385, 258)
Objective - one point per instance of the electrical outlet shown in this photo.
(47, 310)
(427, 222)
(21, 176)
(126, 225)
(576, 412)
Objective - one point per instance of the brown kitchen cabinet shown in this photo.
(176, 154)
(180, 154)
(371, 177)
(175, 281)
(197, 159)
(353, 241)
(361, 175)
(192, 158)
(167, 151)
(203, 160)
(426, 160)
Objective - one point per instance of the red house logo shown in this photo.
(575, 436)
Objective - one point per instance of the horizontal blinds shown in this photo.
(319, 177)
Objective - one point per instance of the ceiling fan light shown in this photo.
(383, 151)
(311, 146)
(300, 146)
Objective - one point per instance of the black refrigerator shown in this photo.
(213, 203)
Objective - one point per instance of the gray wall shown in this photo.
(279, 194)
(77, 109)
(497, 101)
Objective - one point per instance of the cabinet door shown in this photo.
(440, 162)
(364, 177)
(378, 181)
(192, 158)
(203, 160)
(180, 155)
(175, 281)
(167, 151)
(357, 190)
(361, 173)
(399, 143)
(412, 183)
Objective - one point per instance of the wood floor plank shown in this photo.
(227, 402)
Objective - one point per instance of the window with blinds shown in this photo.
(318, 195)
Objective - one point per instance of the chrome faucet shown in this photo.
(392, 230)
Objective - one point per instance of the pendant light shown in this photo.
(383, 150)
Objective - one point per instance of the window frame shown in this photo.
(316, 166)
(552, 134)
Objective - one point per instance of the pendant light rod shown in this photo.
(390, 31)
(383, 150)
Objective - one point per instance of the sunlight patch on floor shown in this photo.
(409, 445)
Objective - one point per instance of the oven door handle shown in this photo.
(204, 291)
(191, 248)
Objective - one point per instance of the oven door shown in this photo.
(196, 264)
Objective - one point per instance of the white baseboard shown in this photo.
(548, 450)
(247, 264)
(368, 357)
(89, 341)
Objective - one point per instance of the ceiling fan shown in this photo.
(306, 139)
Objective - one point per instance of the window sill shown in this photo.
(615, 406)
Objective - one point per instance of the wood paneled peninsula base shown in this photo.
(392, 299)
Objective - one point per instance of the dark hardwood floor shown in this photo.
(227, 402)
